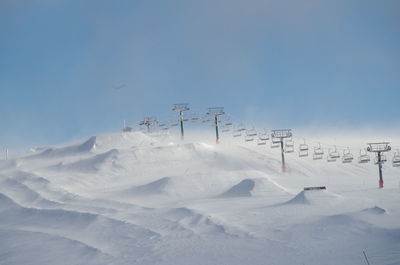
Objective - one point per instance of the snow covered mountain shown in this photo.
(131, 198)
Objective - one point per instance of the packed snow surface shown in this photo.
(131, 198)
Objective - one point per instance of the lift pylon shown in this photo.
(149, 123)
(216, 111)
(180, 108)
(379, 148)
(281, 135)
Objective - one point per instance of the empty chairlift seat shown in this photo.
(289, 146)
(194, 118)
(263, 137)
(303, 149)
(250, 135)
(396, 159)
(383, 159)
(275, 142)
(347, 156)
(237, 133)
(334, 153)
(227, 125)
(239, 129)
(330, 157)
(261, 142)
(363, 157)
(318, 152)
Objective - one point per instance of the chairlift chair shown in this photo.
(303, 149)
(383, 159)
(240, 128)
(396, 159)
(317, 156)
(334, 154)
(318, 152)
(227, 126)
(275, 142)
(261, 142)
(248, 138)
(364, 157)
(237, 133)
(289, 146)
(330, 159)
(194, 119)
(303, 153)
(263, 136)
(347, 156)
(251, 133)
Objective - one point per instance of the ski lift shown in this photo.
(204, 119)
(261, 142)
(383, 159)
(347, 156)
(303, 149)
(250, 135)
(275, 142)
(237, 133)
(334, 154)
(248, 138)
(240, 128)
(396, 159)
(329, 158)
(364, 157)
(225, 129)
(227, 126)
(317, 156)
(194, 119)
(318, 152)
(289, 146)
(263, 136)
(251, 132)
(171, 122)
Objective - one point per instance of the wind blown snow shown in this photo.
(131, 198)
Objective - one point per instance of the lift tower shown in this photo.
(216, 111)
(280, 135)
(180, 108)
(379, 148)
(149, 123)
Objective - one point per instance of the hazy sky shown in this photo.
(282, 63)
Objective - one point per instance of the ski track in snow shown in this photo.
(130, 198)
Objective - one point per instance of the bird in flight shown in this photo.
(118, 87)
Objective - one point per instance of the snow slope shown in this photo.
(131, 198)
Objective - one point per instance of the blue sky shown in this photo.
(279, 63)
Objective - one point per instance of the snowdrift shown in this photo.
(133, 198)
